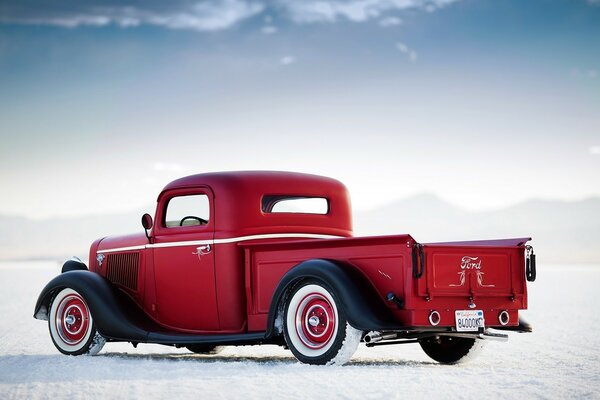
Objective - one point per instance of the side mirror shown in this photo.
(147, 224)
(147, 221)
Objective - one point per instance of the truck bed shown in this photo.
(445, 277)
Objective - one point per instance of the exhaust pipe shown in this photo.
(434, 318)
(503, 318)
(377, 336)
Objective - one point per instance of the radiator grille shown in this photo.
(122, 269)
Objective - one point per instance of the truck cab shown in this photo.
(194, 250)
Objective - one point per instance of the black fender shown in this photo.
(364, 308)
(73, 265)
(115, 315)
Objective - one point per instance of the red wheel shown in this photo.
(315, 329)
(72, 326)
(315, 320)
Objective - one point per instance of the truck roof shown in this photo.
(258, 180)
(240, 195)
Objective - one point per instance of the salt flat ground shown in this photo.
(561, 359)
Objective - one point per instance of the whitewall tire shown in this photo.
(315, 326)
(71, 325)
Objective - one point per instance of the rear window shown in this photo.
(295, 204)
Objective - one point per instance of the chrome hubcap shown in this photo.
(72, 320)
(315, 321)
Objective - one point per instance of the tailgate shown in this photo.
(472, 269)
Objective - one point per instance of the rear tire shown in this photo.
(71, 325)
(450, 349)
(315, 327)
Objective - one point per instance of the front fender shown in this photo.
(364, 307)
(115, 315)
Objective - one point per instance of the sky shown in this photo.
(482, 103)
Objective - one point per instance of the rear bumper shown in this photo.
(416, 334)
(486, 335)
(523, 327)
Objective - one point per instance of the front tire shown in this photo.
(451, 349)
(71, 325)
(315, 327)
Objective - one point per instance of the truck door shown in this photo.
(184, 262)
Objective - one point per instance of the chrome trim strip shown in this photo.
(180, 244)
(221, 241)
(116, 249)
(276, 236)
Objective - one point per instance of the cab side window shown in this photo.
(191, 210)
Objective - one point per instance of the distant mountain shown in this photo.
(563, 232)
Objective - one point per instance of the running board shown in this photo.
(222, 339)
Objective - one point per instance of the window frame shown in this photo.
(268, 202)
(161, 212)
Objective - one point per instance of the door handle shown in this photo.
(202, 250)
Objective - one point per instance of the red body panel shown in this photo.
(229, 289)
(387, 265)
(457, 275)
(380, 259)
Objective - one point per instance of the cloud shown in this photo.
(595, 150)
(182, 14)
(287, 60)
(410, 53)
(268, 29)
(207, 15)
(389, 21)
(579, 73)
(311, 11)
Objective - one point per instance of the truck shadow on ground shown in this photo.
(33, 368)
(203, 358)
(255, 359)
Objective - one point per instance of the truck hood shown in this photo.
(134, 241)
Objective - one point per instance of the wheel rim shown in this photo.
(72, 319)
(315, 321)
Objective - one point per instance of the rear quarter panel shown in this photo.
(382, 261)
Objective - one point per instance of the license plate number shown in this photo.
(469, 320)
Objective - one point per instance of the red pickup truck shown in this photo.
(244, 258)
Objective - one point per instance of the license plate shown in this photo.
(469, 320)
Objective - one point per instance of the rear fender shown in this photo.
(364, 307)
(115, 315)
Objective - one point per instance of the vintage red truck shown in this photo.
(244, 258)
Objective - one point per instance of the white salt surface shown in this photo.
(561, 359)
